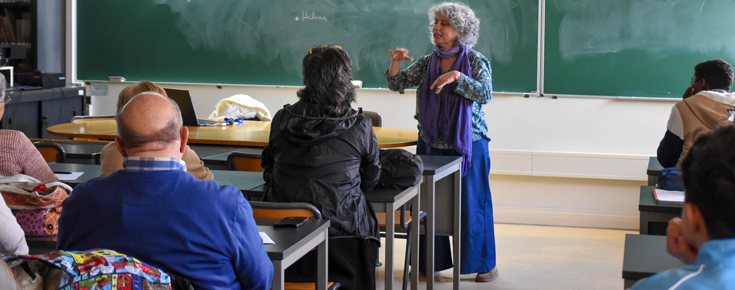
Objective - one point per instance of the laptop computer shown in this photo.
(183, 99)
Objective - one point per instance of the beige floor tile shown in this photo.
(541, 257)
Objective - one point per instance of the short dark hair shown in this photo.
(717, 72)
(327, 72)
(708, 173)
(168, 134)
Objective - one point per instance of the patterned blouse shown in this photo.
(478, 89)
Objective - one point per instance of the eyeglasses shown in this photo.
(323, 46)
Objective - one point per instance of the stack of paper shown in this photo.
(266, 239)
(663, 196)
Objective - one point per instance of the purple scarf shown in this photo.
(447, 113)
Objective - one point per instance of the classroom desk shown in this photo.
(388, 201)
(219, 161)
(89, 153)
(644, 256)
(243, 180)
(293, 243)
(654, 217)
(82, 152)
(209, 150)
(654, 170)
(41, 245)
(441, 193)
(290, 245)
(248, 134)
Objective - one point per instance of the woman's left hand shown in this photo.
(446, 79)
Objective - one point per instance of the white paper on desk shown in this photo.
(68, 177)
(266, 239)
(668, 196)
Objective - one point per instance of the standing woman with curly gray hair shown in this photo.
(454, 82)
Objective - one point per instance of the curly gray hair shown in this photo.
(461, 17)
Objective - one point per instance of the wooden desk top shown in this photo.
(249, 133)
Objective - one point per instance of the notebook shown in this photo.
(663, 196)
(183, 99)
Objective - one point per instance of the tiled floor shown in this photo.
(542, 257)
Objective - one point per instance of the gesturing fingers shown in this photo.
(400, 54)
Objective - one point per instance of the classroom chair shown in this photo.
(74, 156)
(68, 141)
(51, 152)
(280, 210)
(377, 120)
(241, 161)
(403, 224)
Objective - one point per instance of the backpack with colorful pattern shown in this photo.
(85, 270)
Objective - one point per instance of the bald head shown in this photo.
(150, 122)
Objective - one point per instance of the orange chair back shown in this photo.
(281, 213)
(244, 162)
(49, 154)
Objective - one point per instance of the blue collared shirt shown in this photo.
(153, 164)
(713, 269)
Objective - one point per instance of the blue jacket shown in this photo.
(197, 229)
(714, 269)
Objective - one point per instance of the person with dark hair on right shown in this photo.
(707, 103)
(704, 236)
(323, 152)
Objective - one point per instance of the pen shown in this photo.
(62, 172)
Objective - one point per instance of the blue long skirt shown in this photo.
(478, 231)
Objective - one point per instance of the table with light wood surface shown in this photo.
(248, 133)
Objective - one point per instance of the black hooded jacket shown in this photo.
(326, 161)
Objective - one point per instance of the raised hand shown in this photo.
(676, 245)
(399, 54)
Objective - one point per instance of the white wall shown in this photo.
(566, 161)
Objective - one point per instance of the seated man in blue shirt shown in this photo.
(704, 237)
(157, 212)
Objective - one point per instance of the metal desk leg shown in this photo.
(390, 222)
(457, 226)
(322, 263)
(643, 230)
(278, 271)
(415, 241)
(430, 190)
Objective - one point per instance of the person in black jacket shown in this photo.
(323, 152)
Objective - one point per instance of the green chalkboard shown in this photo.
(638, 48)
(262, 42)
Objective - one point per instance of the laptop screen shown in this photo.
(183, 99)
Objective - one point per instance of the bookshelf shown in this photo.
(18, 29)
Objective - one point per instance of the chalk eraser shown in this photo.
(116, 79)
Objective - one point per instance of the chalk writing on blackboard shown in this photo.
(305, 16)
